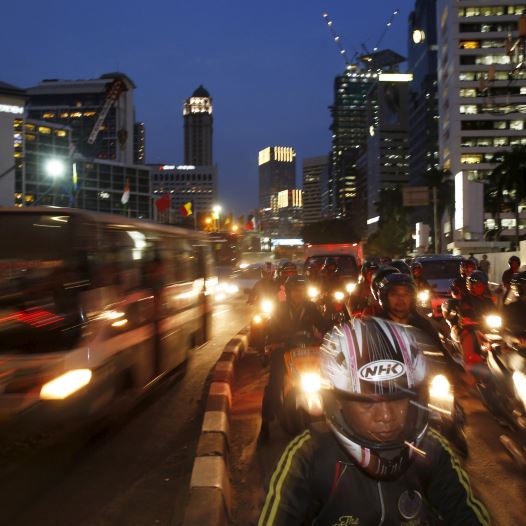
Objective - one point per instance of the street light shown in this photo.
(217, 209)
(55, 168)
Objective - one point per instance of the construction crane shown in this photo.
(338, 40)
(113, 92)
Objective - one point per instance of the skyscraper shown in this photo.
(198, 129)
(79, 103)
(315, 180)
(482, 101)
(349, 136)
(277, 171)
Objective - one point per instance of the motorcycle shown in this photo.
(503, 392)
(333, 304)
(259, 326)
(300, 396)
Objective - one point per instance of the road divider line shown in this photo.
(210, 497)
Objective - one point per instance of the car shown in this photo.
(246, 278)
(440, 271)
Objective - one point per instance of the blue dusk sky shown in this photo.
(269, 67)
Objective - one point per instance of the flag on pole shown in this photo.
(251, 223)
(163, 203)
(186, 209)
(126, 194)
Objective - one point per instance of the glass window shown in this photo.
(471, 158)
(516, 125)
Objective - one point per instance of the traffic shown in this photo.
(368, 366)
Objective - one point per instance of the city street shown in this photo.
(496, 478)
(135, 474)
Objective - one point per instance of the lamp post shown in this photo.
(216, 209)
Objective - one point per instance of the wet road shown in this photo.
(135, 474)
(496, 478)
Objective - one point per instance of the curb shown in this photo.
(210, 494)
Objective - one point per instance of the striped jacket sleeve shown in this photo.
(450, 491)
(289, 493)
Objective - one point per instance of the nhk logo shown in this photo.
(381, 370)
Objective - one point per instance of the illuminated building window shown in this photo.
(471, 158)
(44, 130)
(28, 126)
(469, 44)
(64, 115)
(516, 125)
(48, 116)
(60, 133)
(89, 113)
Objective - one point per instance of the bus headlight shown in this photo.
(310, 382)
(494, 321)
(267, 306)
(257, 319)
(339, 295)
(350, 287)
(519, 381)
(313, 293)
(65, 385)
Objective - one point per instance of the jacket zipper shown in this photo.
(382, 518)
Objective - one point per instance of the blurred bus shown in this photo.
(93, 308)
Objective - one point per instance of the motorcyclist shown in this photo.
(330, 276)
(376, 461)
(417, 272)
(401, 265)
(459, 285)
(514, 264)
(397, 299)
(265, 287)
(312, 269)
(373, 308)
(514, 314)
(361, 295)
(472, 309)
(285, 271)
(291, 317)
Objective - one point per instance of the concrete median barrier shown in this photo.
(210, 493)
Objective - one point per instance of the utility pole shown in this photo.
(435, 220)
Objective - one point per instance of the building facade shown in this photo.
(12, 104)
(315, 188)
(78, 104)
(277, 171)
(482, 100)
(387, 142)
(198, 129)
(349, 136)
(290, 213)
(197, 184)
(139, 143)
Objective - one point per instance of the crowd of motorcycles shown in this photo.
(480, 349)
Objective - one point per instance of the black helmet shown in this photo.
(478, 276)
(402, 266)
(294, 282)
(379, 276)
(417, 269)
(329, 262)
(518, 284)
(374, 360)
(394, 280)
(369, 265)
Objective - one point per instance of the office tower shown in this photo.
(315, 188)
(79, 104)
(482, 100)
(277, 171)
(198, 129)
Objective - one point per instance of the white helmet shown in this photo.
(372, 359)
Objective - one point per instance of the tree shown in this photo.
(393, 237)
(509, 182)
(330, 231)
(445, 190)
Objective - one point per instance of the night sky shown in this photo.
(269, 67)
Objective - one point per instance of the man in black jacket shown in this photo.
(293, 316)
(377, 463)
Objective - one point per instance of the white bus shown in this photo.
(93, 308)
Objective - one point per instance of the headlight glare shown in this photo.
(339, 295)
(267, 306)
(494, 321)
(350, 287)
(310, 382)
(65, 384)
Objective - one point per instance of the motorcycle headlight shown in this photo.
(440, 387)
(350, 287)
(313, 292)
(424, 296)
(494, 321)
(519, 381)
(310, 382)
(339, 295)
(257, 319)
(267, 306)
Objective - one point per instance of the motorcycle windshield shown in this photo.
(38, 303)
